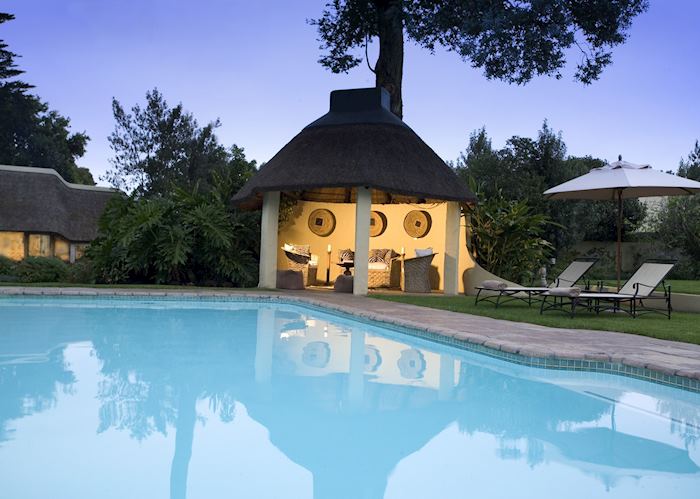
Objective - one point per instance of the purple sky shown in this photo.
(253, 65)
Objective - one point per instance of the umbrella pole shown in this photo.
(618, 254)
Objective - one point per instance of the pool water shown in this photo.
(154, 399)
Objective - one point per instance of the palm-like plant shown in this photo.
(507, 237)
(190, 236)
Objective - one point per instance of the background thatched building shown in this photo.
(43, 215)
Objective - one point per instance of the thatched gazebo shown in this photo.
(359, 152)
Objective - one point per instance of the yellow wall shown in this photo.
(296, 231)
(12, 245)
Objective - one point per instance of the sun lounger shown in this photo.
(638, 289)
(498, 293)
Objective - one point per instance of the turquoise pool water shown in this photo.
(155, 399)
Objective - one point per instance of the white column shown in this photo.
(363, 207)
(447, 377)
(268, 240)
(452, 244)
(265, 331)
(356, 374)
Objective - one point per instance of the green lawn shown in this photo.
(682, 326)
(689, 287)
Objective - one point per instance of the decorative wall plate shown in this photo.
(411, 364)
(316, 354)
(377, 223)
(322, 222)
(417, 223)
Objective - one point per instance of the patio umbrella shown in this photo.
(622, 180)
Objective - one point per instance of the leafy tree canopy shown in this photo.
(158, 147)
(525, 168)
(31, 134)
(511, 40)
(678, 219)
(690, 167)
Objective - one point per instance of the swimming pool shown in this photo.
(204, 399)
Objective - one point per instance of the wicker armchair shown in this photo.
(416, 274)
(299, 258)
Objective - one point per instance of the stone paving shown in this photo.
(666, 357)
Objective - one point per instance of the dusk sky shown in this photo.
(254, 66)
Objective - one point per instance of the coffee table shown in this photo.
(347, 266)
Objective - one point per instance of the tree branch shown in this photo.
(367, 54)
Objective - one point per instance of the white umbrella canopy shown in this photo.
(622, 180)
(621, 177)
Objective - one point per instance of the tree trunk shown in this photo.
(184, 435)
(389, 67)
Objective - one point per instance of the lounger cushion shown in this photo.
(494, 284)
(377, 266)
(606, 296)
(566, 292)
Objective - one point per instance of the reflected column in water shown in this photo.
(447, 377)
(356, 378)
(265, 331)
(184, 435)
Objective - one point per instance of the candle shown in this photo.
(402, 252)
(329, 248)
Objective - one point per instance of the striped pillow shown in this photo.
(346, 255)
(381, 255)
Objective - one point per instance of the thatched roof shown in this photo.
(359, 142)
(39, 200)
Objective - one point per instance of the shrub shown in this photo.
(41, 269)
(185, 237)
(7, 265)
(81, 272)
(507, 238)
(7, 269)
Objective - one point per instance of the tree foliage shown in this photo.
(188, 236)
(690, 167)
(512, 41)
(678, 220)
(525, 168)
(31, 134)
(158, 147)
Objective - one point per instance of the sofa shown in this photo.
(379, 266)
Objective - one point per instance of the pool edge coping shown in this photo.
(688, 380)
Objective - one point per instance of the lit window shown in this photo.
(39, 245)
(61, 249)
(80, 251)
(12, 245)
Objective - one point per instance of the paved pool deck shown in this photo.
(669, 358)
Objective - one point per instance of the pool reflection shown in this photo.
(345, 401)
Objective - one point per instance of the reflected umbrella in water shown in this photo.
(549, 418)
